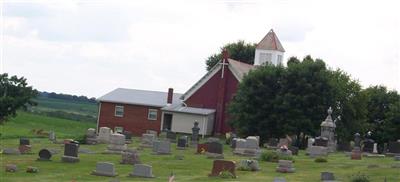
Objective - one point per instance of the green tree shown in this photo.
(239, 51)
(14, 94)
(383, 113)
(273, 101)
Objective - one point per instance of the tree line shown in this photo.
(275, 101)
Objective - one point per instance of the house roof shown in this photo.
(139, 97)
(270, 42)
(190, 110)
(239, 69)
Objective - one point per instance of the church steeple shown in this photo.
(269, 50)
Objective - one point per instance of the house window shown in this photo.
(279, 59)
(152, 114)
(265, 57)
(119, 111)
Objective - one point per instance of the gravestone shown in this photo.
(317, 151)
(215, 150)
(285, 166)
(116, 144)
(44, 155)
(212, 139)
(272, 143)
(162, 147)
(182, 143)
(233, 143)
(344, 146)
(247, 147)
(295, 150)
(155, 133)
(397, 157)
(171, 136)
(356, 152)
(229, 137)
(393, 147)
(12, 168)
(31, 169)
(91, 137)
(128, 136)
(375, 150)
(327, 176)
(195, 133)
(249, 165)
(202, 148)
(52, 136)
(70, 153)
(104, 135)
(279, 179)
(11, 151)
(328, 127)
(104, 169)
(310, 142)
(130, 157)
(221, 166)
(24, 141)
(24, 146)
(321, 141)
(142, 170)
(147, 140)
(283, 151)
(368, 146)
(283, 142)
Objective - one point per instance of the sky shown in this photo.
(91, 47)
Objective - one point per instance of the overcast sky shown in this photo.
(92, 47)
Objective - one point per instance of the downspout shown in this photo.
(204, 126)
(98, 118)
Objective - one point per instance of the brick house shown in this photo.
(205, 102)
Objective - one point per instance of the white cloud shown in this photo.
(92, 47)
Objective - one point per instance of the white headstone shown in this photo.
(104, 135)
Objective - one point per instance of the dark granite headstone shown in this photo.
(71, 149)
(221, 166)
(368, 146)
(394, 147)
(182, 142)
(195, 132)
(327, 176)
(344, 146)
(128, 135)
(321, 141)
(273, 142)
(295, 150)
(215, 147)
(24, 141)
(44, 155)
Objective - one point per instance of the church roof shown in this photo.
(239, 69)
(270, 42)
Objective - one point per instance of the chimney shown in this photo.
(170, 94)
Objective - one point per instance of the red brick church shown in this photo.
(205, 102)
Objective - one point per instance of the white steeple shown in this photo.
(269, 49)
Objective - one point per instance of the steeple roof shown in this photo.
(270, 42)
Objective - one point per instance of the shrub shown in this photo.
(320, 159)
(359, 177)
(272, 156)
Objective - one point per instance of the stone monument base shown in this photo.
(356, 154)
(214, 155)
(69, 159)
(103, 174)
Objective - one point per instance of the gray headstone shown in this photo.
(326, 176)
(171, 136)
(11, 151)
(249, 165)
(315, 151)
(215, 147)
(128, 135)
(11, 168)
(195, 132)
(52, 136)
(279, 179)
(252, 142)
(142, 170)
(104, 135)
(182, 142)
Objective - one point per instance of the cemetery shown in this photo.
(212, 159)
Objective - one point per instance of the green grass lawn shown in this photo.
(24, 123)
(193, 168)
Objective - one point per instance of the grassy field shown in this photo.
(193, 168)
(24, 123)
(76, 107)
